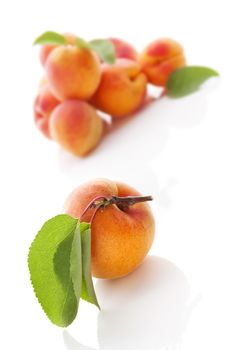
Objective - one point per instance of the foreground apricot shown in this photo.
(160, 58)
(121, 237)
(73, 72)
(44, 104)
(124, 49)
(76, 126)
(46, 49)
(122, 88)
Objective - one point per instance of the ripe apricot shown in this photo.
(160, 58)
(76, 126)
(122, 88)
(73, 72)
(120, 238)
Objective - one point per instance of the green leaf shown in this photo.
(187, 80)
(50, 38)
(76, 261)
(105, 49)
(88, 292)
(49, 266)
(60, 268)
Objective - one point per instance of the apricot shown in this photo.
(160, 58)
(123, 49)
(76, 126)
(122, 88)
(120, 238)
(73, 72)
(44, 104)
(46, 49)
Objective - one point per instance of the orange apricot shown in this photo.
(120, 238)
(76, 126)
(73, 72)
(160, 58)
(122, 88)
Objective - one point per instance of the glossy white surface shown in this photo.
(180, 151)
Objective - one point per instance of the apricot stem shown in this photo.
(122, 203)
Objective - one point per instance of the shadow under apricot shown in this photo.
(148, 309)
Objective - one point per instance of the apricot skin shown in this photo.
(44, 104)
(120, 239)
(123, 49)
(76, 126)
(160, 58)
(73, 72)
(46, 49)
(122, 88)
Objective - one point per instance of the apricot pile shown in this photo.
(78, 84)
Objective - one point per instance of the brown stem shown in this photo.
(122, 203)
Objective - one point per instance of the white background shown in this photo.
(180, 151)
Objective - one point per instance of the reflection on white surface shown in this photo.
(136, 140)
(148, 308)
